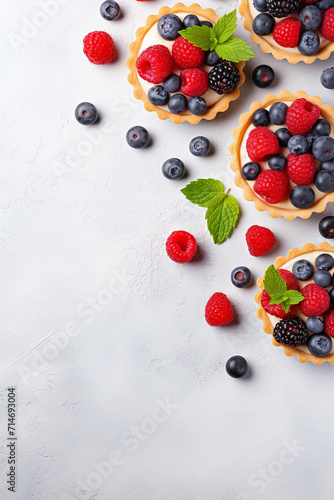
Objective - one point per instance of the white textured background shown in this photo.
(99, 329)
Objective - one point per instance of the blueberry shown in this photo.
(137, 137)
(324, 262)
(260, 5)
(277, 162)
(302, 269)
(327, 165)
(322, 278)
(314, 325)
(197, 105)
(331, 295)
(250, 171)
(86, 113)
(260, 118)
(298, 144)
(177, 103)
(319, 344)
(309, 43)
(172, 83)
(327, 78)
(263, 24)
(321, 127)
(211, 58)
(323, 148)
(302, 196)
(200, 146)
(277, 113)
(241, 277)
(158, 95)
(169, 26)
(324, 181)
(236, 366)
(191, 20)
(283, 136)
(207, 23)
(110, 10)
(173, 169)
(310, 17)
(263, 75)
(310, 137)
(325, 4)
(326, 227)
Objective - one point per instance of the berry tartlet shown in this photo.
(283, 155)
(175, 78)
(296, 30)
(300, 315)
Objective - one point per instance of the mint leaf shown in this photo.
(294, 297)
(274, 284)
(235, 50)
(225, 26)
(203, 192)
(200, 36)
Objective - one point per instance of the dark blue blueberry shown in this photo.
(310, 16)
(260, 5)
(110, 10)
(322, 278)
(302, 196)
(169, 26)
(319, 344)
(172, 83)
(327, 165)
(309, 43)
(158, 95)
(324, 262)
(326, 227)
(298, 144)
(211, 58)
(323, 148)
(302, 270)
(137, 137)
(191, 20)
(263, 75)
(177, 103)
(325, 4)
(277, 162)
(263, 24)
(200, 146)
(327, 78)
(197, 106)
(277, 113)
(283, 136)
(310, 137)
(314, 325)
(331, 295)
(321, 127)
(260, 118)
(250, 171)
(324, 181)
(207, 23)
(86, 113)
(241, 277)
(173, 169)
(236, 366)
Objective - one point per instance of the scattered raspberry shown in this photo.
(316, 301)
(259, 240)
(276, 310)
(261, 143)
(194, 82)
(186, 55)
(286, 32)
(301, 116)
(155, 63)
(99, 47)
(218, 310)
(180, 246)
(301, 169)
(327, 26)
(272, 186)
(329, 323)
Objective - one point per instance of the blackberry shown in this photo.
(291, 332)
(282, 8)
(224, 77)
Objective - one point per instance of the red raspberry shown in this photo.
(272, 186)
(327, 26)
(286, 32)
(218, 310)
(259, 240)
(301, 169)
(155, 63)
(316, 300)
(309, 2)
(99, 47)
(194, 82)
(180, 246)
(186, 55)
(276, 310)
(301, 116)
(329, 323)
(261, 143)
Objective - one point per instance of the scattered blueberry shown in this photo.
(319, 344)
(173, 169)
(236, 366)
(241, 277)
(211, 58)
(110, 10)
(263, 75)
(321, 127)
(191, 20)
(309, 43)
(263, 24)
(250, 171)
(197, 105)
(200, 146)
(260, 118)
(86, 113)
(277, 113)
(277, 162)
(283, 136)
(324, 181)
(310, 16)
(302, 269)
(314, 325)
(324, 261)
(298, 144)
(326, 227)
(172, 83)
(302, 196)
(158, 95)
(260, 5)
(327, 165)
(322, 278)
(137, 137)
(169, 26)
(207, 23)
(310, 137)
(323, 148)
(331, 295)
(177, 103)
(327, 78)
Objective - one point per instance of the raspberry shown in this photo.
(316, 300)
(261, 143)
(259, 240)
(180, 246)
(286, 32)
(301, 116)
(309, 2)
(99, 47)
(186, 55)
(329, 323)
(301, 169)
(272, 186)
(155, 63)
(218, 310)
(327, 26)
(277, 310)
(194, 82)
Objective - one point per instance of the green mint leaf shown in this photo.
(274, 284)
(285, 306)
(225, 26)
(200, 36)
(276, 298)
(235, 50)
(203, 192)
(294, 297)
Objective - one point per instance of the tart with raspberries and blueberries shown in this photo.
(296, 303)
(296, 30)
(283, 155)
(185, 63)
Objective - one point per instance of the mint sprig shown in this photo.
(278, 291)
(220, 39)
(222, 208)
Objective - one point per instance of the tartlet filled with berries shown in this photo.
(185, 63)
(283, 154)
